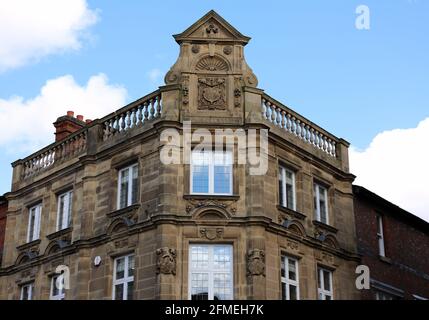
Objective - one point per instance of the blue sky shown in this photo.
(307, 54)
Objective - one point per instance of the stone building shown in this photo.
(394, 244)
(3, 210)
(101, 204)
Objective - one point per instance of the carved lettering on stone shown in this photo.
(211, 94)
(256, 263)
(166, 261)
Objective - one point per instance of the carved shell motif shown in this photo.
(211, 64)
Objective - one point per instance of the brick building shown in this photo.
(100, 201)
(394, 244)
(3, 210)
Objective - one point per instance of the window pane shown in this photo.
(221, 286)
(282, 267)
(292, 269)
(281, 195)
(131, 266)
(69, 211)
(319, 278)
(31, 227)
(283, 291)
(200, 257)
(199, 286)
(289, 196)
(130, 290)
(135, 185)
(221, 257)
(119, 291)
(222, 179)
(293, 295)
(120, 267)
(326, 280)
(200, 179)
(61, 204)
(123, 200)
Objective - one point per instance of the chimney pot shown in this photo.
(88, 121)
(70, 113)
(80, 117)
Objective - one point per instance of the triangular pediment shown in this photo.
(209, 28)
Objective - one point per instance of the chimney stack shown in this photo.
(66, 125)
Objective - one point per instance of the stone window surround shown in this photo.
(329, 201)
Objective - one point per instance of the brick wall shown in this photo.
(406, 238)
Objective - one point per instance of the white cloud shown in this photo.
(27, 124)
(395, 166)
(30, 30)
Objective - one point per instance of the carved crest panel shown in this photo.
(211, 94)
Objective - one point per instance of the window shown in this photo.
(64, 210)
(27, 291)
(33, 231)
(211, 172)
(290, 278)
(287, 188)
(381, 295)
(321, 203)
(123, 278)
(324, 280)
(380, 236)
(127, 186)
(210, 272)
(57, 288)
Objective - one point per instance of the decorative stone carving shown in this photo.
(166, 261)
(225, 205)
(195, 48)
(211, 94)
(185, 90)
(212, 64)
(171, 77)
(256, 263)
(227, 50)
(212, 29)
(211, 233)
(237, 97)
(292, 245)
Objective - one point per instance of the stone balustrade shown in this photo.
(58, 152)
(132, 116)
(294, 124)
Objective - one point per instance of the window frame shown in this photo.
(380, 236)
(210, 270)
(36, 227)
(283, 201)
(126, 279)
(211, 165)
(321, 290)
(316, 195)
(67, 214)
(30, 286)
(129, 201)
(288, 282)
(61, 292)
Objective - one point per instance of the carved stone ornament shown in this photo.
(256, 263)
(224, 205)
(211, 94)
(212, 29)
(227, 50)
(212, 64)
(211, 233)
(185, 90)
(195, 48)
(166, 261)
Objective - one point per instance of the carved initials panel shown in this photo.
(211, 94)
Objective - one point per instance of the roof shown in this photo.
(391, 209)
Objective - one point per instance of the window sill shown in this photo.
(211, 197)
(385, 259)
(325, 226)
(120, 212)
(59, 233)
(28, 245)
(291, 212)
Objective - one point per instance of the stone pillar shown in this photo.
(256, 265)
(16, 174)
(170, 100)
(166, 263)
(343, 154)
(252, 105)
